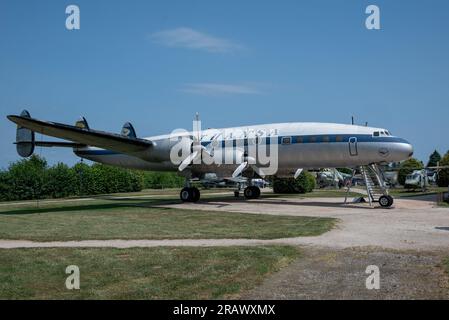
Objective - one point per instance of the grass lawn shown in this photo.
(131, 218)
(401, 192)
(139, 273)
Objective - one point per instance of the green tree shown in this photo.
(443, 174)
(304, 183)
(26, 178)
(345, 170)
(407, 167)
(159, 180)
(83, 178)
(60, 181)
(5, 185)
(434, 158)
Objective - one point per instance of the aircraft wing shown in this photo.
(83, 136)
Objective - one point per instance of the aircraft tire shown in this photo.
(195, 194)
(251, 192)
(256, 192)
(248, 193)
(391, 200)
(186, 195)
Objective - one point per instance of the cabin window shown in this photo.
(299, 139)
(312, 139)
(252, 140)
(339, 139)
(286, 140)
(326, 139)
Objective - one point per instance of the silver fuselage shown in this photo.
(311, 145)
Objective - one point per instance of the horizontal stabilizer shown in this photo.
(49, 144)
(85, 136)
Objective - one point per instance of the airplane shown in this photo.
(230, 153)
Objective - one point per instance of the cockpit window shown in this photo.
(383, 133)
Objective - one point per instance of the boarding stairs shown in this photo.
(374, 182)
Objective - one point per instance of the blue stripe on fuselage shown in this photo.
(317, 138)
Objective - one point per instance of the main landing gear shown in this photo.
(190, 194)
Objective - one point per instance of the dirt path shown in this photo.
(340, 274)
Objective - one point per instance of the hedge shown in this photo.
(32, 178)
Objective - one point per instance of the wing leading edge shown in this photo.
(83, 136)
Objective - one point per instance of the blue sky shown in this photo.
(155, 63)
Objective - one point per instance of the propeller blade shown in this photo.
(188, 160)
(259, 171)
(297, 173)
(239, 169)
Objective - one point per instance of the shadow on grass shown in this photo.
(132, 202)
(87, 207)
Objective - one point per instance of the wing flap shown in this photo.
(96, 138)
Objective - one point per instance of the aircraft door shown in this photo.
(353, 146)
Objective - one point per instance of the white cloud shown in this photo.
(219, 89)
(192, 39)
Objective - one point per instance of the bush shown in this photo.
(304, 183)
(26, 179)
(159, 180)
(407, 167)
(59, 181)
(443, 175)
(32, 179)
(5, 185)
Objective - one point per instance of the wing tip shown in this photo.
(12, 117)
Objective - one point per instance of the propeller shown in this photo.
(248, 162)
(297, 173)
(197, 150)
(240, 169)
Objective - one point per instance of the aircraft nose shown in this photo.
(404, 150)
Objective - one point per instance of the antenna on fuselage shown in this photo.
(352, 120)
(197, 127)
